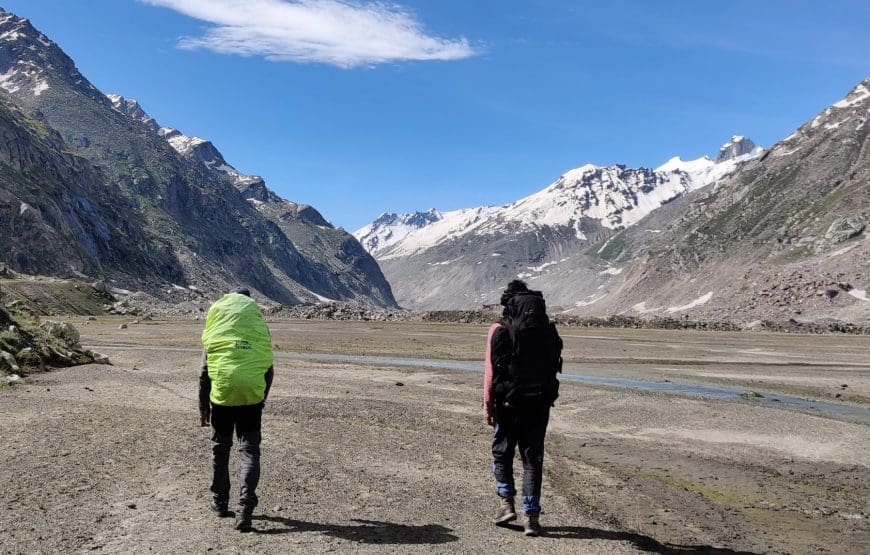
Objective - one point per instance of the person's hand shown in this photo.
(490, 420)
(204, 417)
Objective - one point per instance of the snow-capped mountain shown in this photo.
(751, 235)
(611, 197)
(704, 171)
(390, 228)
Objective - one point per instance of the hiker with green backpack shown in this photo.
(523, 357)
(235, 381)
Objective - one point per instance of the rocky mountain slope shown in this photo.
(92, 187)
(461, 258)
(784, 237)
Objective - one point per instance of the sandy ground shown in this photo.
(112, 459)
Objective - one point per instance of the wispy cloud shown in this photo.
(344, 33)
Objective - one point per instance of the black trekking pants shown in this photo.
(245, 420)
(525, 427)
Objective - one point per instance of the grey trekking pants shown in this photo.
(245, 420)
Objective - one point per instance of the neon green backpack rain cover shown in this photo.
(238, 349)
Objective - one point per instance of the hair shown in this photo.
(514, 287)
(241, 291)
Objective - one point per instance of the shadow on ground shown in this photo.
(644, 543)
(366, 531)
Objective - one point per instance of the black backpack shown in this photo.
(537, 351)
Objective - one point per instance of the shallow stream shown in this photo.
(711, 391)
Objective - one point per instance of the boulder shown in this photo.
(64, 331)
(843, 229)
(8, 362)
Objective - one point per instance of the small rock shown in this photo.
(101, 359)
(131, 505)
(12, 379)
(845, 385)
(400, 384)
(122, 327)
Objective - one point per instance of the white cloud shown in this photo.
(345, 33)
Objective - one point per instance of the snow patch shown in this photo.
(545, 265)
(859, 94)
(604, 246)
(40, 88)
(592, 300)
(323, 299)
(779, 152)
(697, 302)
(183, 144)
(612, 271)
(444, 263)
(6, 82)
(859, 294)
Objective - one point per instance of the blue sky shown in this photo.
(359, 108)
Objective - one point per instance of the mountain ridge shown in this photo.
(191, 220)
(614, 195)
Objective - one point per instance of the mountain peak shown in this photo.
(131, 107)
(31, 63)
(737, 146)
(859, 94)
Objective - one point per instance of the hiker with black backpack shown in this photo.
(523, 356)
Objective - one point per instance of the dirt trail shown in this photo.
(112, 459)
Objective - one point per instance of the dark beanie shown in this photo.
(241, 291)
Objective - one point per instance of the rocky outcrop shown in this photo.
(736, 147)
(25, 349)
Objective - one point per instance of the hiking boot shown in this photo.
(243, 520)
(532, 526)
(506, 512)
(219, 508)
